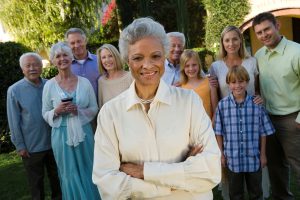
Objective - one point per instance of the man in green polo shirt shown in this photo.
(279, 69)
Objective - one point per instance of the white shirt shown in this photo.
(171, 74)
(160, 139)
(220, 70)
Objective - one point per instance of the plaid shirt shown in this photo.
(242, 125)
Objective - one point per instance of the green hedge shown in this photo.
(49, 72)
(203, 54)
(10, 73)
(221, 13)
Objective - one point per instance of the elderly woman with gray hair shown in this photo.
(153, 141)
(69, 104)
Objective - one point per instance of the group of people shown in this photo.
(68, 104)
(154, 139)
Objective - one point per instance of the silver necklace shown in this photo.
(145, 101)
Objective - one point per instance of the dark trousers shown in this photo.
(253, 183)
(35, 167)
(283, 151)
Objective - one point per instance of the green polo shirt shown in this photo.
(279, 76)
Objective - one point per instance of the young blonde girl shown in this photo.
(191, 78)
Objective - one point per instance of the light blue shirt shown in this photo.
(172, 73)
(24, 112)
(89, 69)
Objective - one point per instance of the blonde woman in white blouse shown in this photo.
(115, 79)
(154, 141)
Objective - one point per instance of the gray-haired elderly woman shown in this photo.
(69, 104)
(153, 141)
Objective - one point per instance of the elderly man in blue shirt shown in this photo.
(172, 69)
(29, 132)
(84, 63)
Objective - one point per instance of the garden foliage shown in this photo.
(49, 72)
(38, 23)
(221, 13)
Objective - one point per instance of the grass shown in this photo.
(13, 182)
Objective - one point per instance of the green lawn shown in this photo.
(13, 183)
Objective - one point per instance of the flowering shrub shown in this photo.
(108, 13)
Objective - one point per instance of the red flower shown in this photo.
(108, 13)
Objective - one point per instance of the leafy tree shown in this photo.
(182, 18)
(40, 23)
(49, 72)
(221, 13)
(125, 12)
(174, 15)
(196, 23)
(109, 30)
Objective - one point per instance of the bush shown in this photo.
(10, 72)
(222, 13)
(206, 57)
(49, 72)
(6, 145)
(92, 47)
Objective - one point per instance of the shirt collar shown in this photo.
(162, 95)
(247, 98)
(89, 57)
(279, 48)
(170, 65)
(31, 83)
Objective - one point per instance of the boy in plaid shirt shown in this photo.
(241, 128)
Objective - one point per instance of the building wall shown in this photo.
(258, 6)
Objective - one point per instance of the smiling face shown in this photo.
(191, 68)
(32, 69)
(238, 88)
(146, 61)
(176, 49)
(78, 45)
(107, 60)
(267, 33)
(231, 42)
(62, 61)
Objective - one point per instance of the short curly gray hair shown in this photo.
(60, 47)
(139, 29)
